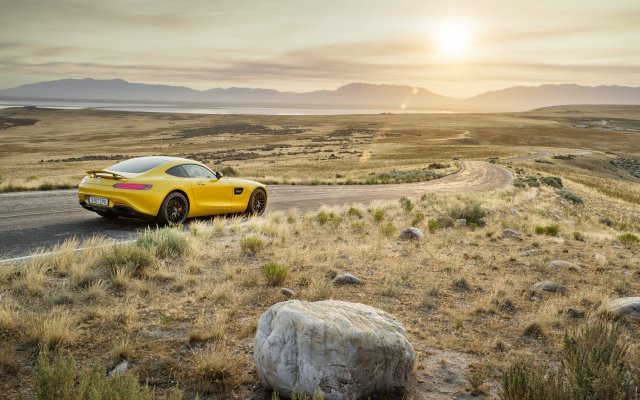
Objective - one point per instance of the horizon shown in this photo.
(315, 90)
(457, 50)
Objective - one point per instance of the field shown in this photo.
(53, 148)
(182, 308)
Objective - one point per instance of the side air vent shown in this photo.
(238, 190)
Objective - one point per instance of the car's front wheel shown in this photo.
(257, 202)
(174, 209)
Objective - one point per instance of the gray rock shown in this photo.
(510, 234)
(287, 292)
(625, 306)
(562, 264)
(550, 286)
(411, 233)
(444, 221)
(346, 350)
(530, 252)
(119, 369)
(460, 222)
(347, 279)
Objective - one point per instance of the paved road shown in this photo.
(32, 220)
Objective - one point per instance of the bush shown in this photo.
(578, 236)
(552, 181)
(628, 239)
(133, 259)
(519, 183)
(433, 225)
(59, 379)
(417, 218)
(275, 273)
(406, 204)
(378, 215)
(165, 242)
(251, 244)
(550, 230)
(471, 211)
(387, 229)
(596, 363)
(323, 217)
(570, 196)
(354, 212)
(229, 171)
(532, 181)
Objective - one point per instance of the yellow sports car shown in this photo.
(169, 189)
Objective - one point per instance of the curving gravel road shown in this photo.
(33, 220)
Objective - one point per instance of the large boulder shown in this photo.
(411, 233)
(345, 350)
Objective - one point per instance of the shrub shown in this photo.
(417, 218)
(165, 242)
(378, 215)
(131, 258)
(251, 244)
(406, 204)
(229, 171)
(275, 273)
(532, 181)
(570, 196)
(628, 239)
(578, 236)
(433, 225)
(596, 363)
(387, 229)
(324, 217)
(550, 230)
(59, 379)
(471, 211)
(519, 183)
(354, 212)
(438, 166)
(552, 181)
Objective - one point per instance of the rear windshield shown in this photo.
(137, 165)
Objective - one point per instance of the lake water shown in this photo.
(198, 108)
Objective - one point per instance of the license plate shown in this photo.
(100, 201)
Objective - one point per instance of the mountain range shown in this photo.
(353, 95)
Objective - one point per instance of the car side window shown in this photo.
(197, 171)
(177, 171)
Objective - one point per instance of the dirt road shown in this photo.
(32, 220)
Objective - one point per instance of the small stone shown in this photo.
(287, 292)
(119, 369)
(550, 286)
(625, 306)
(411, 233)
(461, 222)
(510, 234)
(562, 264)
(530, 252)
(346, 279)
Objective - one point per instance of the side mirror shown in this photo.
(219, 175)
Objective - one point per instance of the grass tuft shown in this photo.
(251, 245)
(275, 273)
(164, 243)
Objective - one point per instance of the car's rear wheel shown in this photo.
(257, 202)
(107, 214)
(174, 209)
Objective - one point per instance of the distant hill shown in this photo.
(522, 98)
(353, 95)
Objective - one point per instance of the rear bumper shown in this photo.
(121, 211)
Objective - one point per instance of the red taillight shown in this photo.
(133, 186)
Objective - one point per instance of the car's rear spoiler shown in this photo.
(113, 175)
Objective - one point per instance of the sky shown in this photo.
(455, 48)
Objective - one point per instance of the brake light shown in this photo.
(133, 186)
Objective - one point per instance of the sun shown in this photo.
(453, 38)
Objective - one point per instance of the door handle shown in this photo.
(200, 183)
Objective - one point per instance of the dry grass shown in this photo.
(191, 316)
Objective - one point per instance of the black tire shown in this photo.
(107, 214)
(257, 202)
(174, 209)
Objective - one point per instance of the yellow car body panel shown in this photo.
(206, 196)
